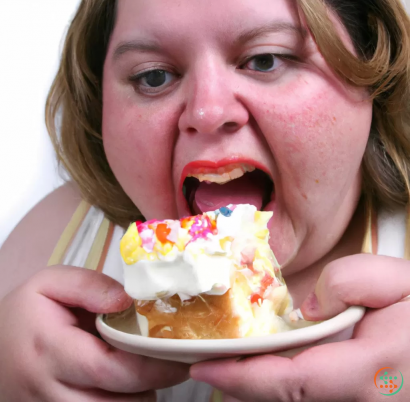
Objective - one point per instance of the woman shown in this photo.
(313, 93)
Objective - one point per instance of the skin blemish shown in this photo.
(317, 181)
(304, 196)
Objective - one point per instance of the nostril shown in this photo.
(231, 126)
(191, 130)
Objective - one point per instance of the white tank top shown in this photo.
(91, 241)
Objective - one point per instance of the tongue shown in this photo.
(209, 197)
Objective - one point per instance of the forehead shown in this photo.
(199, 19)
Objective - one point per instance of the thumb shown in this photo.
(359, 280)
(79, 287)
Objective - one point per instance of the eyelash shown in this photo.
(136, 79)
(282, 57)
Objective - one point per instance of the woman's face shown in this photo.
(191, 87)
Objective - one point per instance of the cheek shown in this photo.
(126, 143)
(138, 143)
(318, 135)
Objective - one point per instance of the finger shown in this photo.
(362, 280)
(95, 395)
(79, 287)
(82, 360)
(306, 378)
(62, 392)
(84, 320)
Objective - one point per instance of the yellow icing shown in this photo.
(130, 242)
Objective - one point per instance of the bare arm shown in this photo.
(28, 248)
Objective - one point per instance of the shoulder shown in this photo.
(31, 243)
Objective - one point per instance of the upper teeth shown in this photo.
(225, 174)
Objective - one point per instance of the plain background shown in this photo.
(31, 33)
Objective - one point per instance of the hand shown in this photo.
(342, 371)
(46, 357)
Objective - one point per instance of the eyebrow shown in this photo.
(275, 27)
(243, 38)
(135, 46)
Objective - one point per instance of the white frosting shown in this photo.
(203, 267)
(150, 280)
(241, 221)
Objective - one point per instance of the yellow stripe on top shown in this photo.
(69, 232)
(85, 241)
(217, 396)
(370, 241)
(97, 248)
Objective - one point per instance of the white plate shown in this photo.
(121, 331)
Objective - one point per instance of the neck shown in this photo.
(302, 283)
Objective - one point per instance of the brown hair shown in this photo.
(380, 31)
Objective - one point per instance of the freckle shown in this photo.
(39, 347)
(334, 118)
(317, 181)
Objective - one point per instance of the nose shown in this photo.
(212, 104)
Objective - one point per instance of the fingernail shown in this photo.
(310, 306)
(311, 301)
(123, 300)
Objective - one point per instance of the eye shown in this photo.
(156, 78)
(263, 63)
(153, 80)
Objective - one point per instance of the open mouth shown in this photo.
(207, 189)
